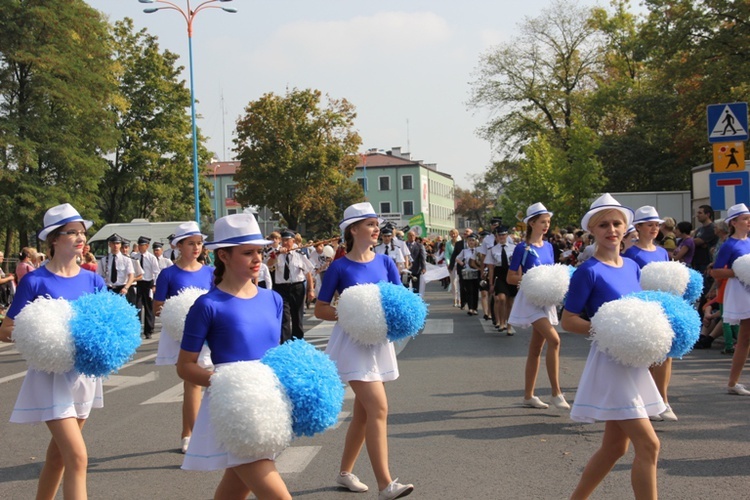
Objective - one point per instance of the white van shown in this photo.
(157, 231)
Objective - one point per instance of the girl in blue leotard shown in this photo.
(187, 272)
(364, 367)
(622, 396)
(240, 322)
(60, 400)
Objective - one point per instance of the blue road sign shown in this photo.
(729, 188)
(727, 122)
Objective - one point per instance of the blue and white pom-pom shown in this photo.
(671, 277)
(96, 333)
(380, 313)
(546, 285)
(42, 335)
(106, 332)
(741, 268)
(694, 288)
(250, 413)
(684, 320)
(175, 310)
(312, 384)
(632, 331)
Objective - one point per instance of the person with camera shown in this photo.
(468, 260)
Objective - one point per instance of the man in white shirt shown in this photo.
(116, 268)
(391, 249)
(164, 262)
(293, 271)
(497, 260)
(147, 284)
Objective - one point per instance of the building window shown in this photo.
(408, 208)
(231, 211)
(385, 207)
(231, 191)
(407, 182)
(385, 183)
(362, 183)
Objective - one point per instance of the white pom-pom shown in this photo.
(329, 252)
(670, 277)
(361, 314)
(42, 335)
(250, 412)
(632, 331)
(175, 310)
(546, 285)
(741, 268)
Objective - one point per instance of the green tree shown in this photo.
(150, 171)
(294, 152)
(55, 124)
(475, 205)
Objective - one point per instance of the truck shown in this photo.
(157, 231)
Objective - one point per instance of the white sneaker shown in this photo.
(395, 490)
(669, 415)
(560, 403)
(738, 389)
(351, 482)
(184, 444)
(535, 402)
(656, 418)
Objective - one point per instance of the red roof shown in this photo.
(222, 168)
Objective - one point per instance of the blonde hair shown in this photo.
(597, 217)
(669, 223)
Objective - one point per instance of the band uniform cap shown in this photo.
(501, 230)
(144, 240)
(186, 230)
(286, 234)
(606, 202)
(496, 220)
(736, 211)
(58, 216)
(484, 234)
(386, 231)
(472, 236)
(646, 213)
(125, 243)
(157, 244)
(536, 209)
(114, 238)
(357, 212)
(170, 238)
(237, 229)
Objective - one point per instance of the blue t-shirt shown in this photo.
(731, 250)
(343, 273)
(235, 329)
(535, 256)
(42, 282)
(643, 257)
(595, 283)
(173, 279)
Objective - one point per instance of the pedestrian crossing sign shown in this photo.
(729, 156)
(727, 122)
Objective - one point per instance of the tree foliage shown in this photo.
(475, 205)
(295, 152)
(55, 121)
(150, 172)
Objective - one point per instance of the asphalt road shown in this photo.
(456, 427)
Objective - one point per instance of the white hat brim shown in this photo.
(351, 221)
(45, 232)
(215, 245)
(178, 239)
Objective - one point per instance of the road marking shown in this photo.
(139, 360)
(12, 377)
(488, 327)
(342, 416)
(123, 382)
(173, 395)
(295, 459)
(322, 329)
(438, 326)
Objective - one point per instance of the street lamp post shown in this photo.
(189, 15)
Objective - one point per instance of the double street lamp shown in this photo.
(189, 16)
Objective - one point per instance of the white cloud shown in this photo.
(381, 38)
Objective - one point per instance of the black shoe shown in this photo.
(487, 318)
(728, 351)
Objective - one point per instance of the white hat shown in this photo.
(59, 216)
(186, 230)
(736, 211)
(534, 210)
(646, 213)
(606, 202)
(356, 213)
(236, 229)
(631, 229)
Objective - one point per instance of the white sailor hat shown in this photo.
(237, 229)
(606, 202)
(736, 211)
(59, 216)
(534, 210)
(646, 213)
(356, 213)
(185, 230)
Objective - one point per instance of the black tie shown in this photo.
(113, 272)
(504, 258)
(141, 261)
(286, 268)
(386, 249)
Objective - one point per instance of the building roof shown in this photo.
(394, 158)
(222, 168)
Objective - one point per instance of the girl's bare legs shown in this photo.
(261, 477)
(662, 374)
(67, 460)
(500, 302)
(542, 332)
(191, 403)
(741, 350)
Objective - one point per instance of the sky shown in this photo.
(406, 65)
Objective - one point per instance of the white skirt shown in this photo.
(609, 390)
(205, 452)
(54, 396)
(355, 361)
(169, 349)
(736, 302)
(524, 313)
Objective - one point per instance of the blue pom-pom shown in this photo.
(311, 382)
(694, 288)
(405, 311)
(683, 319)
(106, 332)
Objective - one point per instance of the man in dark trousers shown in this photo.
(418, 258)
(146, 285)
(457, 249)
(293, 269)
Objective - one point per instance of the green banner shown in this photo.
(417, 225)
